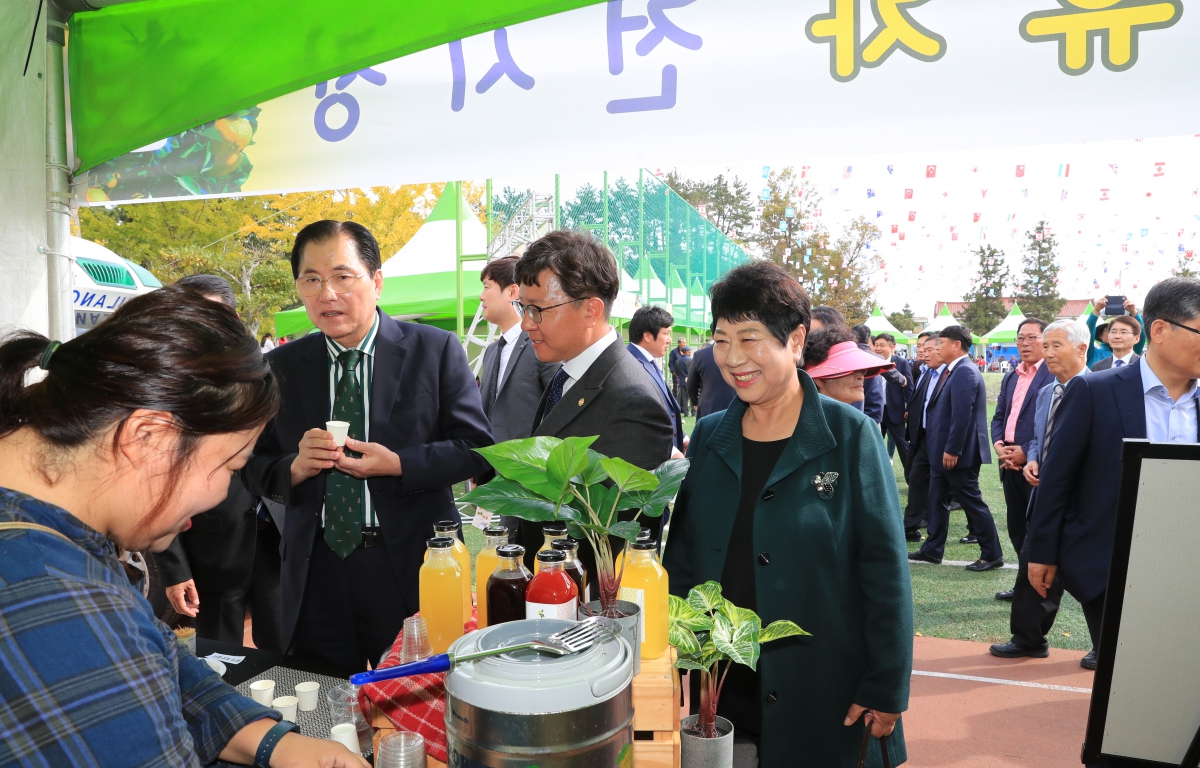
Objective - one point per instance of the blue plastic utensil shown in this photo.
(578, 637)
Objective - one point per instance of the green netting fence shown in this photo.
(668, 252)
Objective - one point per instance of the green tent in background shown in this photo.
(945, 319)
(151, 69)
(878, 323)
(1006, 331)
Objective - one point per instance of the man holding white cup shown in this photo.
(358, 514)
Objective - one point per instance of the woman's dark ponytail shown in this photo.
(18, 353)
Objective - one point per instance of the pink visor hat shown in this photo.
(846, 358)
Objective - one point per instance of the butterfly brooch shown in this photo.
(825, 482)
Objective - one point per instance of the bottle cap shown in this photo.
(567, 544)
(644, 534)
(643, 544)
(495, 530)
(445, 526)
(511, 550)
(552, 556)
(555, 529)
(441, 542)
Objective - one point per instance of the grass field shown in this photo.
(949, 601)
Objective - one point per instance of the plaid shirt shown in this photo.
(88, 676)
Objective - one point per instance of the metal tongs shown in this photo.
(578, 637)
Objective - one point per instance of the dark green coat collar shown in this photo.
(811, 439)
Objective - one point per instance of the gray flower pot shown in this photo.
(696, 752)
(629, 627)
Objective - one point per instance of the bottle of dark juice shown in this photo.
(506, 586)
(573, 567)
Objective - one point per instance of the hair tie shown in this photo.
(44, 361)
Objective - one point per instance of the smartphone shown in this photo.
(1115, 305)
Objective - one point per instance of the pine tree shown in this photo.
(904, 320)
(1037, 292)
(985, 306)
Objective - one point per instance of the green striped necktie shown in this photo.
(343, 493)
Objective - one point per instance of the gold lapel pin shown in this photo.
(581, 401)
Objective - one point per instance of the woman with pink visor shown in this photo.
(838, 367)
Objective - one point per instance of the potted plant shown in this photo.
(545, 479)
(707, 631)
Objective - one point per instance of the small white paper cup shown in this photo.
(286, 705)
(306, 693)
(263, 691)
(338, 429)
(346, 735)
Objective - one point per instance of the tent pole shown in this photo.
(458, 254)
(58, 181)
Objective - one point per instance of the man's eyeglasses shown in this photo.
(1181, 325)
(534, 312)
(311, 285)
(1029, 339)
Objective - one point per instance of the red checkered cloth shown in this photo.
(416, 703)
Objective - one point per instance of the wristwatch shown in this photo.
(266, 747)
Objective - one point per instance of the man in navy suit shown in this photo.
(1075, 508)
(649, 338)
(707, 388)
(1064, 350)
(357, 518)
(957, 444)
(917, 472)
(897, 390)
(1012, 427)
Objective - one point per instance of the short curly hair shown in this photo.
(817, 346)
(762, 291)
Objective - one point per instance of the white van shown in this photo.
(103, 282)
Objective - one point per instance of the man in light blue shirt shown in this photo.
(1168, 419)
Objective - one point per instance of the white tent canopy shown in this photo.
(1006, 331)
(432, 248)
(878, 323)
(942, 321)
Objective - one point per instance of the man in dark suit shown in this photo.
(568, 282)
(1064, 350)
(956, 430)
(680, 371)
(917, 474)
(897, 391)
(1075, 508)
(358, 517)
(1012, 428)
(228, 559)
(707, 388)
(678, 383)
(1124, 332)
(513, 379)
(649, 337)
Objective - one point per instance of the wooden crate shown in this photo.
(655, 716)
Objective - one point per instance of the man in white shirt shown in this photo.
(1073, 514)
(1124, 332)
(568, 282)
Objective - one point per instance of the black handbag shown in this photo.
(883, 746)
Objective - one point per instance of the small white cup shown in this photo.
(263, 691)
(338, 429)
(307, 695)
(346, 735)
(286, 706)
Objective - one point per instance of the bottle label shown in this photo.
(568, 610)
(631, 595)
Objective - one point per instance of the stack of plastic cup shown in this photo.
(344, 708)
(402, 749)
(416, 641)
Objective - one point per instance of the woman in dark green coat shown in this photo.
(791, 504)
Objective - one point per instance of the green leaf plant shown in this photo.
(542, 479)
(706, 630)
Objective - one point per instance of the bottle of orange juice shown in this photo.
(441, 594)
(449, 529)
(645, 583)
(485, 565)
(552, 532)
(643, 535)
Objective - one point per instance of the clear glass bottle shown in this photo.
(440, 585)
(495, 536)
(507, 585)
(573, 566)
(449, 529)
(646, 583)
(552, 594)
(552, 532)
